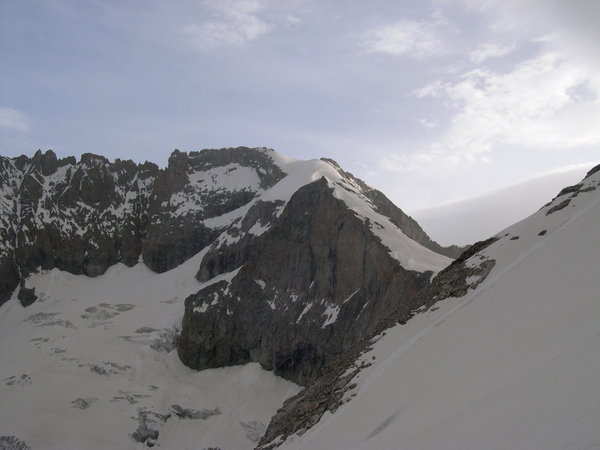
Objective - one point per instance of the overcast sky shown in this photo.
(429, 101)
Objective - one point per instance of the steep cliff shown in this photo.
(318, 281)
(81, 217)
(321, 267)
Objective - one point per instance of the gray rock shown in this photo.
(84, 216)
(174, 234)
(407, 224)
(80, 217)
(194, 414)
(318, 282)
(222, 258)
(559, 206)
(327, 392)
(12, 443)
(26, 296)
(83, 403)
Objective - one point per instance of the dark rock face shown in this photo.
(194, 189)
(318, 281)
(79, 217)
(9, 276)
(223, 257)
(592, 171)
(10, 180)
(327, 392)
(83, 217)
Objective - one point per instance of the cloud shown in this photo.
(11, 118)
(568, 28)
(542, 103)
(419, 39)
(480, 216)
(545, 103)
(490, 50)
(428, 123)
(434, 89)
(235, 22)
(409, 162)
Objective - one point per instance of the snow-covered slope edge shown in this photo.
(511, 362)
(92, 364)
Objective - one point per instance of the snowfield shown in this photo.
(514, 364)
(93, 362)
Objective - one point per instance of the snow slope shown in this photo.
(93, 359)
(514, 364)
(476, 218)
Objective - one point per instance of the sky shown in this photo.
(430, 101)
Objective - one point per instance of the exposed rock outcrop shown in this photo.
(198, 187)
(79, 217)
(84, 216)
(328, 391)
(318, 281)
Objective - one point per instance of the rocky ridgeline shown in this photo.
(78, 216)
(84, 216)
(294, 278)
(317, 281)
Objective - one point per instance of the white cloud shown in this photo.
(536, 105)
(11, 118)
(404, 37)
(540, 109)
(569, 28)
(428, 123)
(434, 89)
(490, 50)
(408, 162)
(235, 22)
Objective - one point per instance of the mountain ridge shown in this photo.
(83, 216)
(225, 257)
